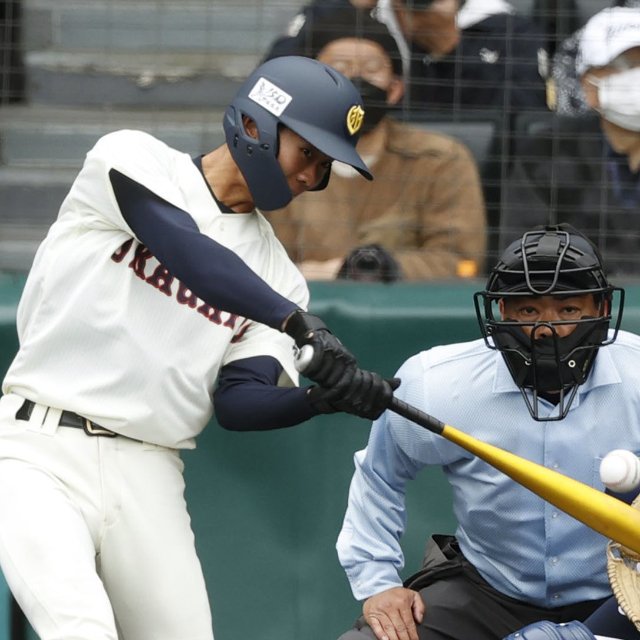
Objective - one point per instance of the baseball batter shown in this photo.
(159, 293)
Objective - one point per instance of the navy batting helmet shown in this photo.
(310, 98)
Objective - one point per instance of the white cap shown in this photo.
(606, 35)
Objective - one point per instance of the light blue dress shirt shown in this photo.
(522, 545)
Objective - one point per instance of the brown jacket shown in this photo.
(425, 206)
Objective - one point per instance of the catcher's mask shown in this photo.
(310, 98)
(554, 261)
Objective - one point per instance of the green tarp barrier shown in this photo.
(267, 507)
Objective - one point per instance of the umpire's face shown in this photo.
(542, 316)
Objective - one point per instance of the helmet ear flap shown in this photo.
(257, 158)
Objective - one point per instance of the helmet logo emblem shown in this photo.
(355, 116)
(269, 96)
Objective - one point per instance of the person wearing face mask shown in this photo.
(586, 170)
(565, 91)
(462, 54)
(425, 218)
(478, 54)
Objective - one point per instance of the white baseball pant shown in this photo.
(95, 538)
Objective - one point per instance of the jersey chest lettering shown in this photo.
(160, 279)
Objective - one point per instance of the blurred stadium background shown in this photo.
(71, 70)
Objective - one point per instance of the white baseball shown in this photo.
(620, 470)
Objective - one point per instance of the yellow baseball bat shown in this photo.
(603, 513)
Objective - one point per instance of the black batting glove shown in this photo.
(366, 395)
(332, 363)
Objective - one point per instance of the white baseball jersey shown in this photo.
(107, 332)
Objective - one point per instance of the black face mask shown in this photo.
(552, 365)
(375, 104)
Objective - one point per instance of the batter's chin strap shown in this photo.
(545, 630)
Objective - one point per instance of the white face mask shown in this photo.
(619, 97)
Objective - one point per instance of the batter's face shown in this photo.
(303, 165)
(549, 309)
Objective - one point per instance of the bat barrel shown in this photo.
(603, 513)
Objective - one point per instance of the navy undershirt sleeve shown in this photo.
(247, 398)
(214, 273)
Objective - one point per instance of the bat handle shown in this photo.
(303, 357)
(305, 354)
(415, 415)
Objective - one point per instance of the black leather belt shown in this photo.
(67, 419)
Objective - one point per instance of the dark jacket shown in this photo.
(566, 172)
(496, 65)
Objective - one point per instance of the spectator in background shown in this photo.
(423, 216)
(486, 57)
(565, 90)
(566, 95)
(461, 61)
(585, 171)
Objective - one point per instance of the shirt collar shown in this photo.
(603, 373)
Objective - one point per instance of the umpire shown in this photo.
(553, 381)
